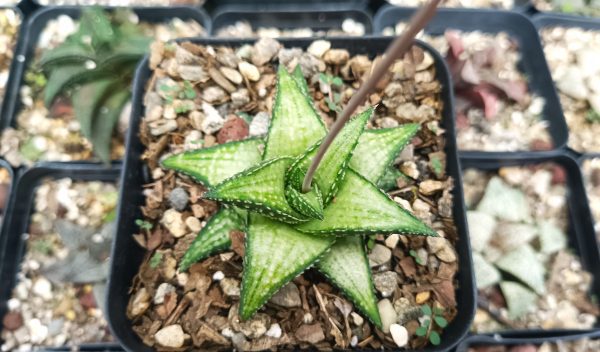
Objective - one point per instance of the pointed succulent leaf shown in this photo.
(295, 125)
(308, 204)
(377, 149)
(331, 170)
(127, 53)
(96, 24)
(213, 238)
(58, 80)
(346, 265)
(260, 189)
(214, 164)
(519, 298)
(299, 78)
(524, 264)
(67, 53)
(105, 120)
(275, 254)
(389, 179)
(362, 208)
(87, 101)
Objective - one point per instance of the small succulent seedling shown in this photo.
(155, 260)
(259, 185)
(333, 99)
(431, 316)
(94, 67)
(143, 224)
(592, 116)
(416, 257)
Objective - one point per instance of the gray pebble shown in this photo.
(179, 198)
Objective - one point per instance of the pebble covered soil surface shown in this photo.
(526, 275)
(572, 55)
(583, 345)
(571, 7)
(124, 3)
(494, 109)
(230, 94)
(243, 29)
(9, 28)
(54, 134)
(591, 176)
(61, 282)
(5, 182)
(496, 4)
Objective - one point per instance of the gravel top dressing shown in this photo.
(526, 275)
(57, 300)
(203, 96)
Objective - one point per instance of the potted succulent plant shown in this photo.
(222, 189)
(73, 86)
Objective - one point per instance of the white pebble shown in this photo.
(399, 334)
(319, 47)
(308, 318)
(182, 279)
(218, 276)
(274, 331)
(249, 71)
(43, 288)
(171, 336)
(13, 304)
(387, 313)
(227, 332)
(357, 319)
(37, 331)
(162, 290)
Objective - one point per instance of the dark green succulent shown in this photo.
(94, 67)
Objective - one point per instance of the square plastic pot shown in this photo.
(127, 255)
(16, 223)
(580, 232)
(36, 24)
(533, 63)
(534, 338)
(288, 18)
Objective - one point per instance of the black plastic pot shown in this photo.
(16, 223)
(581, 160)
(580, 232)
(317, 20)
(290, 5)
(37, 23)
(27, 7)
(8, 93)
(536, 338)
(545, 20)
(523, 6)
(532, 64)
(127, 255)
(7, 209)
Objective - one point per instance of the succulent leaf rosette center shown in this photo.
(258, 184)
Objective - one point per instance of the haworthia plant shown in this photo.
(213, 237)
(287, 230)
(94, 66)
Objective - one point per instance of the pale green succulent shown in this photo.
(259, 185)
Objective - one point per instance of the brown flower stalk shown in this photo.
(397, 49)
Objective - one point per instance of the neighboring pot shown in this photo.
(533, 63)
(21, 202)
(287, 18)
(580, 231)
(37, 23)
(533, 338)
